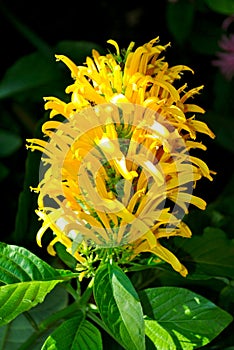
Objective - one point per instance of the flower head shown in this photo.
(225, 58)
(117, 172)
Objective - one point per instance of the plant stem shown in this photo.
(99, 322)
(31, 320)
(87, 294)
(71, 291)
(49, 322)
(56, 317)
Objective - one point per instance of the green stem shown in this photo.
(87, 294)
(49, 322)
(31, 320)
(71, 291)
(56, 317)
(99, 322)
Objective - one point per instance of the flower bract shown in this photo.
(117, 171)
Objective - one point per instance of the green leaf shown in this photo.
(74, 334)
(9, 143)
(66, 257)
(119, 306)
(18, 264)
(226, 7)
(77, 50)
(27, 222)
(20, 297)
(223, 129)
(209, 255)
(158, 335)
(178, 318)
(29, 72)
(15, 333)
(226, 297)
(41, 73)
(179, 18)
(4, 171)
(203, 41)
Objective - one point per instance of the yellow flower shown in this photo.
(117, 171)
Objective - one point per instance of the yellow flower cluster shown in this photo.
(118, 170)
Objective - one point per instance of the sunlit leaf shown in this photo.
(18, 264)
(16, 333)
(179, 319)
(209, 255)
(119, 306)
(74, 334)
(17, 298)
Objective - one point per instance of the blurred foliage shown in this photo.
(194, 28)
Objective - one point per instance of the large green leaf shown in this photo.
(4, 171)
(223, 129)
(119, 306)
(16, 333)
(29, 72)
(225, 7)
(179, 18)
(77, 50)
(203, 41)
(158, 335)
(20, 297)
(220, 117)
(66, 257)
(26, 221)
(74, 334)
(178, 318)
(18, 264)
(41, 73)
(209, 255)
(9, 143)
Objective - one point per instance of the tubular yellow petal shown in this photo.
(135, 198)
(181, 198)
(168, 87)
(120, 165)
(78, 257)
(150, 168)
(113, 169)
(193, 144)
(199, 126)
(164, 254)
(193, 108)
(114, 43)
(71, 65)
(50, 247)
(190, 93)
(202, 166)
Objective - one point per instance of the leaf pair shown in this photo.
(171, 317)
(156, 318)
